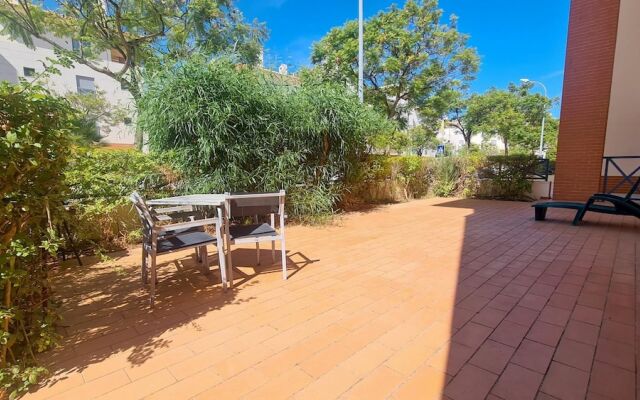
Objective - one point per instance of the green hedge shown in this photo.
(382, 178)
(100, 182)
(506, 177)
(35, 128)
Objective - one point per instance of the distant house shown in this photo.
(17, 60)
(452, 138)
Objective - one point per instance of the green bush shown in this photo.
(508, 176)
(455, 175)
(233, 128)
(35, 128)
(382, 178)
(100, 182)
(446, 176)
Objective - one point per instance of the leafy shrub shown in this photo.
(100, 181)
(509, 176)
(456, 175)
(398, 178)
(380, 178)
(241, 129)
(313, 204)
(446, 176)
(34, 143)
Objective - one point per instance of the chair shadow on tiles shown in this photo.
(246, 269)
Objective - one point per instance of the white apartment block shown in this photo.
(17, 60)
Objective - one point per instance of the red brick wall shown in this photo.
(591, 47)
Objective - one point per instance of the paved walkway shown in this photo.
(454, 299)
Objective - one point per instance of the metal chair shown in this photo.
(165, 215)
(173, 237)
(253, 205)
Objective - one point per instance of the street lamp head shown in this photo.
(524, 80)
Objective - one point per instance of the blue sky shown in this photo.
(515, 38)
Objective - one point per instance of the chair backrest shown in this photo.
(144, 213)
(251, 204)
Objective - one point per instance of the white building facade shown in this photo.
(19, 61)
(452, 137)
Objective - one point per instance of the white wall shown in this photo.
(14, 56)
(623, 126)
(453, 138)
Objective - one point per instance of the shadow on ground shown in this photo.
(105, 305)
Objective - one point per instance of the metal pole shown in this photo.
(542, 136)
(360, 51)
(544, 111)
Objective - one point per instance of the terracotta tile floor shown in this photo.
(455, 299)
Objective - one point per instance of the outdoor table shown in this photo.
(211, 200)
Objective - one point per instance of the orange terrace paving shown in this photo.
(431, 299)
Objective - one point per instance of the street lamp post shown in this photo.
(360, 51)
(541, 149)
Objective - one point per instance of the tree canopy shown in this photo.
(139, 32)
(411, 57)
(514, 115)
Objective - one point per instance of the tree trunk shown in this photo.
(134, 89)
(7, 306)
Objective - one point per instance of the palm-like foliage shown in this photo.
(240, 129)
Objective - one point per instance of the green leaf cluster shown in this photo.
(99, 182)
(140, 33)
(35, 132)
(411, 57)
(236, 128)
(513, 115)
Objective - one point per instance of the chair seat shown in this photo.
(254, 230)
(191, 239)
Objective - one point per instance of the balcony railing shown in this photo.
(542, 170)
(625, 174)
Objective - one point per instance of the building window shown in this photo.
(29, 72)
(85, 84)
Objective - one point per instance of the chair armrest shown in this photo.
(189, 224)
